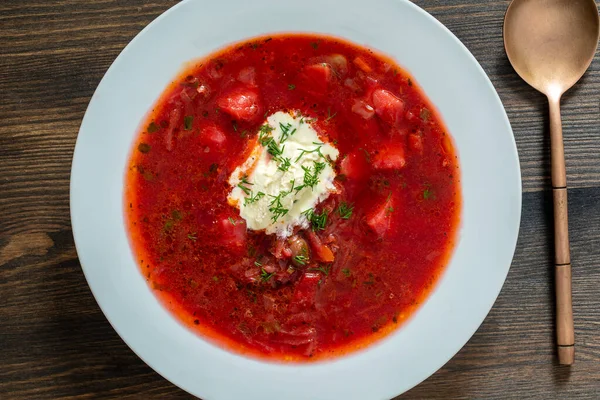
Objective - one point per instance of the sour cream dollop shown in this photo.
(288, 172)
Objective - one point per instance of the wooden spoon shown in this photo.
(551, 43)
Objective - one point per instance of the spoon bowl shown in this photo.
(550, 44)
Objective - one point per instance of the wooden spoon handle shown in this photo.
(562, 273)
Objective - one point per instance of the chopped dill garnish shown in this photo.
(286, 132)
(253, 198)
(188, 121)
(345, 210)
(276, 208)
(367, 155)
(291, 86)
(264, 133)
(301, 259)
(243, 182)
(153, 127)
(427, 194)
(231, 220)
(330, 116)
(315, 150)
(264, 275)
(320, 268)
(273, 149)
(311, 176)
(317, 221)
(284, 163)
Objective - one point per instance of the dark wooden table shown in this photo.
(54, 340)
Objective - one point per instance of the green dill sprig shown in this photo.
(330, 116)
(286, 132)
(311, 176)
(274, 149)
(276, 208)
(264, 275)
(301, 259)
(264, 133)
(320, 268)
(345, 210)
(245, 189)
(315, 150)
(284, 163)
(253, 198)
(317, 221)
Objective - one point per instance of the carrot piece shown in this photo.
(362, 65)
(323, 252)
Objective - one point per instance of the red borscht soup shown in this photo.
(293, 197)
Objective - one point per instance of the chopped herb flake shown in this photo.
(264, 133)
(320, 268)
(330, 116)
(143, 148)
(153, 127)
(317, 221)
(284, 163)
(367, 155)
(253, 198)
(301, 259)
(276, 208)
(286, 132)
(345, 210)
(188, 120)
(241, 185)
(176, 214)
(315, 150)
(291, 87)
(311, 176)
(264, 275)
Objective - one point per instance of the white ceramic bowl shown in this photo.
(491, 185)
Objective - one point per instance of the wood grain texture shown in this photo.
(56, 343)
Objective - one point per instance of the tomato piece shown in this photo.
(315, 78)
(248, 76)
(306, 289)
(390, 157)
(363, 109)
(233, 231)
(380, 219)
(355, 165)
(211, 135)
(387, 106)
(415, 143)
(242, 103)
